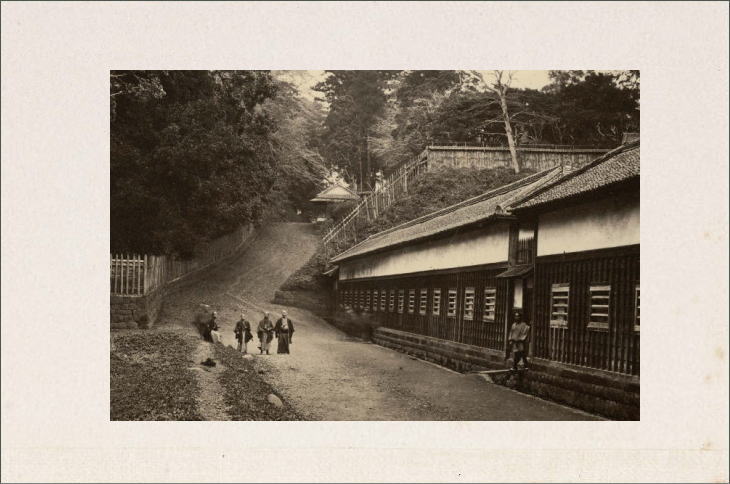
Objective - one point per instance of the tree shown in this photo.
(595, 108)
(298, 127)
(499, 88)
(406, 126)
(191, 157)
(356, 99)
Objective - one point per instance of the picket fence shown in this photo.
(137, 275)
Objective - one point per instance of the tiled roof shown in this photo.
(616, 166)
(482, 207)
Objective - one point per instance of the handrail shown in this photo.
(386, 192)
(393, 178)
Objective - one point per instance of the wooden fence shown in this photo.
(343, 234)
(137, 275)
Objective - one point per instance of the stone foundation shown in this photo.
(457, 356)
(609, 394)
(132, 312)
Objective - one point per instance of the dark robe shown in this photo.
(243, 330)
(211, 325)
(284, 335)
(265, 332)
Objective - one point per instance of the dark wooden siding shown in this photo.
(615, 349)
(475, 332)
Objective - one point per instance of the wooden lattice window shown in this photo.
(469, 303)
(382, 300)
(411, 301)
(637, 314)
(599, 308)
(391, 304)
(401, 300)
(362, 298)
(367, 299)
(451, 308)
(559, 298)
(423, 302)
(490, 303)
(436, 308)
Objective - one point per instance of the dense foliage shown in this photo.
(412, 109)
(195, 154)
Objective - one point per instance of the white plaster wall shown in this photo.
(481, 246)
(601, 224)
(517, 301)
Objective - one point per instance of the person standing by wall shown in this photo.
(243, 333)
(518, 335)
(284, 330)
(265, 332)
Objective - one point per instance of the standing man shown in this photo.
(518, 336)
(243, 333)
(210, 326)
(213, 333)
(265, 332)
(284, 330)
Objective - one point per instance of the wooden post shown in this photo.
(145, 281)
(123, 267)
(112, 278)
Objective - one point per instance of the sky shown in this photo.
(305, 80)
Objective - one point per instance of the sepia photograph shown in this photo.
(375, 245)
(402, 241)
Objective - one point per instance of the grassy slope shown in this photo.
(150, 379)
(245, 392)
(432, 191)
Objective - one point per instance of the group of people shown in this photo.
(283, 330)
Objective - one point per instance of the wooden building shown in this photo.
(586, 281)
(439, 275)
(563, 245)
(330, 196)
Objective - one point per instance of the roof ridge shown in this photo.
(464, 203)
(605, 157)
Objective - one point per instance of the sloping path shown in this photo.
(330, 376)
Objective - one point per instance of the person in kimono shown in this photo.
(210, 326)
(213, 333)
(518, 336)
(243, 333)
(284, 330)
(265, 332)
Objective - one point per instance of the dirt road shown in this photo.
(330, 376)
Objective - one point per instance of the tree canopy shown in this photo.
(194, 154)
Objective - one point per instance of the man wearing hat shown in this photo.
(284, 330)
